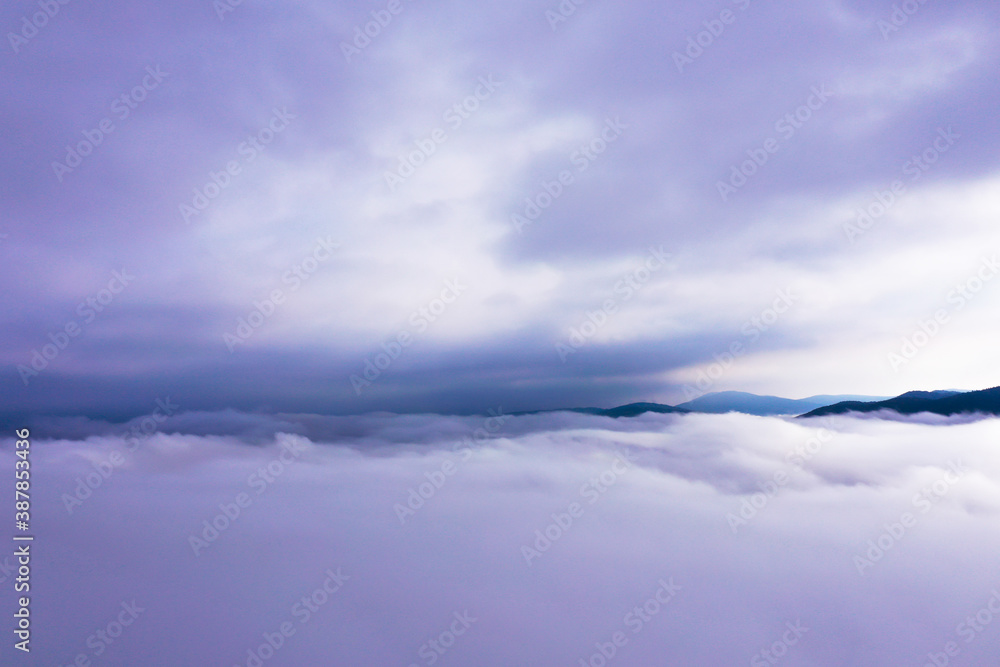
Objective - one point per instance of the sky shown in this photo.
(539, 540)
(421, 206)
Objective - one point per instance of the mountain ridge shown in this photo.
(944, 402)
(941, 402)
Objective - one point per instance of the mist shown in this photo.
(532, 540)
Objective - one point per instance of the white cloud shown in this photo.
(664, 516)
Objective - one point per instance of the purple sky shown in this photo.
(612, 122)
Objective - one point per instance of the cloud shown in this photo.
(416, 527)
(324, 175)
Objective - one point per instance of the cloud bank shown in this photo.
(536, 540)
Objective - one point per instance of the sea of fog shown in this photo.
(554, 539)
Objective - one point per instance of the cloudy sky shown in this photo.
(468, 205)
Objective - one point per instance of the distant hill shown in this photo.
(719, 403)
(942, 402)
(633, 409)
(753, 404)
(986, 401)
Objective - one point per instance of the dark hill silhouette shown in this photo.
(942, 402)
(986, 401)
(633, 409)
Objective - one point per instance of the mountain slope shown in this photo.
(938, 402)
(741, 401)
(633, 409)
(986, 401)
(753, 404)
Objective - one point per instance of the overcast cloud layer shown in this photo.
(230, 154)
(847, 530)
